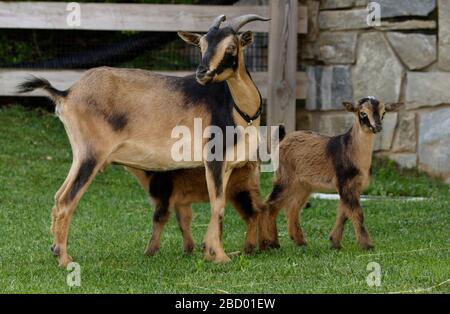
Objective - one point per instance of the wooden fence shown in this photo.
(281, 85)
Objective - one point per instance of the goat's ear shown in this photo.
(392, 106)
(349, 106)
(246, 38)
(190, 38)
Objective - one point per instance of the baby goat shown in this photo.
(312, 162)
(178, 189)
(126, 116)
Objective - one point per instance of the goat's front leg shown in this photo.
(349, 207)
(356, 216)
(216, 179)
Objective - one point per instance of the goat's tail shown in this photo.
(34, 82)
(281, 132)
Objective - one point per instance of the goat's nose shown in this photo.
(201, 70)
(379, 128)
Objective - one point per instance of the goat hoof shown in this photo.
(64, 260)
(367, 246)
(55, 249)
(274, 245)
(301, 243)
(212, 255)
(264, 245)
(336, 246)
(222, 258)
(150, 251)
(248, 249)
(189, 248)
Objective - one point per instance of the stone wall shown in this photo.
(406, 59)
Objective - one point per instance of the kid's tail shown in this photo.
(281, 132)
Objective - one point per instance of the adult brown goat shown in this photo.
(313, 162)
(126, 116)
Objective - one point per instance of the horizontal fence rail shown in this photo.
(63, 79)
(132, 17)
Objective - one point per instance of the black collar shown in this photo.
(246, 117)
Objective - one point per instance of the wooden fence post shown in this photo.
(281, 93)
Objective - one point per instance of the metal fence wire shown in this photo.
(86, 49)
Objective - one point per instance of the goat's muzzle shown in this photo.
(202, 75)
(378, 128)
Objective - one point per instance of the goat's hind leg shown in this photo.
(268, 238)
(248, 207)
(83, 170)
(73, 169)
(293, 211)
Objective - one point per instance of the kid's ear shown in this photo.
(190, 38)
(392, 106)
(349, 106)
(246, 38)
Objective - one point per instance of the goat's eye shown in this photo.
(363, 114)
(231, 49)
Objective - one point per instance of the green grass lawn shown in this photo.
(112, 225)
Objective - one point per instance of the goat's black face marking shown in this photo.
(229, 61)
(219, 54)
(118, 121)
(84, 173)
(244, 204)
(369, 114)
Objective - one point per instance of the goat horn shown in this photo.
(240, 21)
(218, 20)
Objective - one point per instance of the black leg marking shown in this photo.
(348, 196)
(161, 187)
(161, 213)
(243, 200)
(216, 168)
(220, 227)
(276, 192)
(84, 173)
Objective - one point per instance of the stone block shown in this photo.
(377, 72)
(417, 51)
(427, 89)
(338, 47)
(328, 87)
(434, 142)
